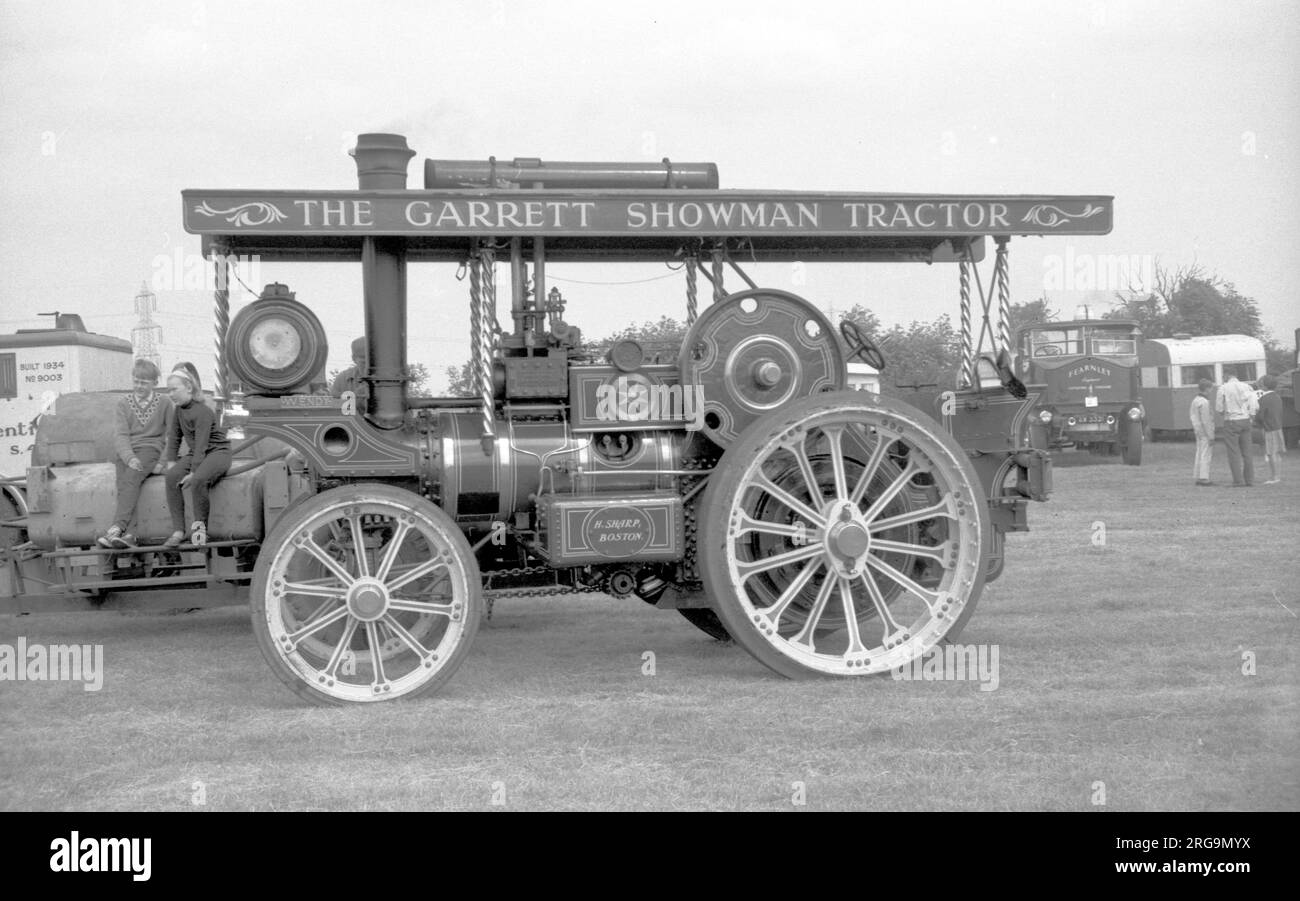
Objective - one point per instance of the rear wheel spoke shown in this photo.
(897, 485)
(870, 469)
(797, 531)
(833, 441)
(782, 496)
(850, 617)
(943, 508)
(882, 609)
(805, 636)
(791, 592)
(929, 598)
(941, 553)
(750, 569)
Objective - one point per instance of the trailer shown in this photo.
(1172, 367)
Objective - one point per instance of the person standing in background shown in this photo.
(1203, 425)
(1270, 420)
(351, 379)
(1238, 405)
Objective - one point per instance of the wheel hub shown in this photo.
(848, 541)
(368, 600)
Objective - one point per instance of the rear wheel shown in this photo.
(843, 535)
(365, 593)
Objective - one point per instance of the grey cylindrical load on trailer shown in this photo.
(71, 505)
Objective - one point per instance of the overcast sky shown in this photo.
(1186, 112)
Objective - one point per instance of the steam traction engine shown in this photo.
(827, 531)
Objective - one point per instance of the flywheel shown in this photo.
(756, 351)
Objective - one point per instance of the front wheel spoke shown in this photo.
(943, 508)
(850, 617)
(878, 600)
(342, 647)
(421, 606)
(797, 530)
(805, 636)
(929, 598)
(416, 572)
(359, 545)
(317, 623)
(892, 491)
(309, 589)
(390, 550)
(401, 632)
(792, 591)
(782, 496)
(376, 655)
(749, 569)
(311, 547)
(941, 552)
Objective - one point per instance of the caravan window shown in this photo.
(1243, 371)
(1193, 374)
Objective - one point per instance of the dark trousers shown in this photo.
(1241, 456)
(208, 473)
(129, 483)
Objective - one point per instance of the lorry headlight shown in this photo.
(1045, 415)
(1135, 413)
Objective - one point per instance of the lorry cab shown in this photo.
(1088, 378)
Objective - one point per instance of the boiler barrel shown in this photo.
(444, 174)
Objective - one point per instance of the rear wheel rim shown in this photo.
(872, 561)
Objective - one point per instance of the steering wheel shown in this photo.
(1048, 350)
(861, 346)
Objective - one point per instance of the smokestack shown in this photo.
(381, 161)
(381, 165)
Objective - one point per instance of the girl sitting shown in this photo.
(143, 420)
(207, 460)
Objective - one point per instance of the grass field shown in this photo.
(1120, 664)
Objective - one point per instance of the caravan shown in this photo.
(1171, 367)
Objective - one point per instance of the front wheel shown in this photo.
(365, 593)
(843, 535)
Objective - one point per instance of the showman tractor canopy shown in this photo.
(827, 531)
